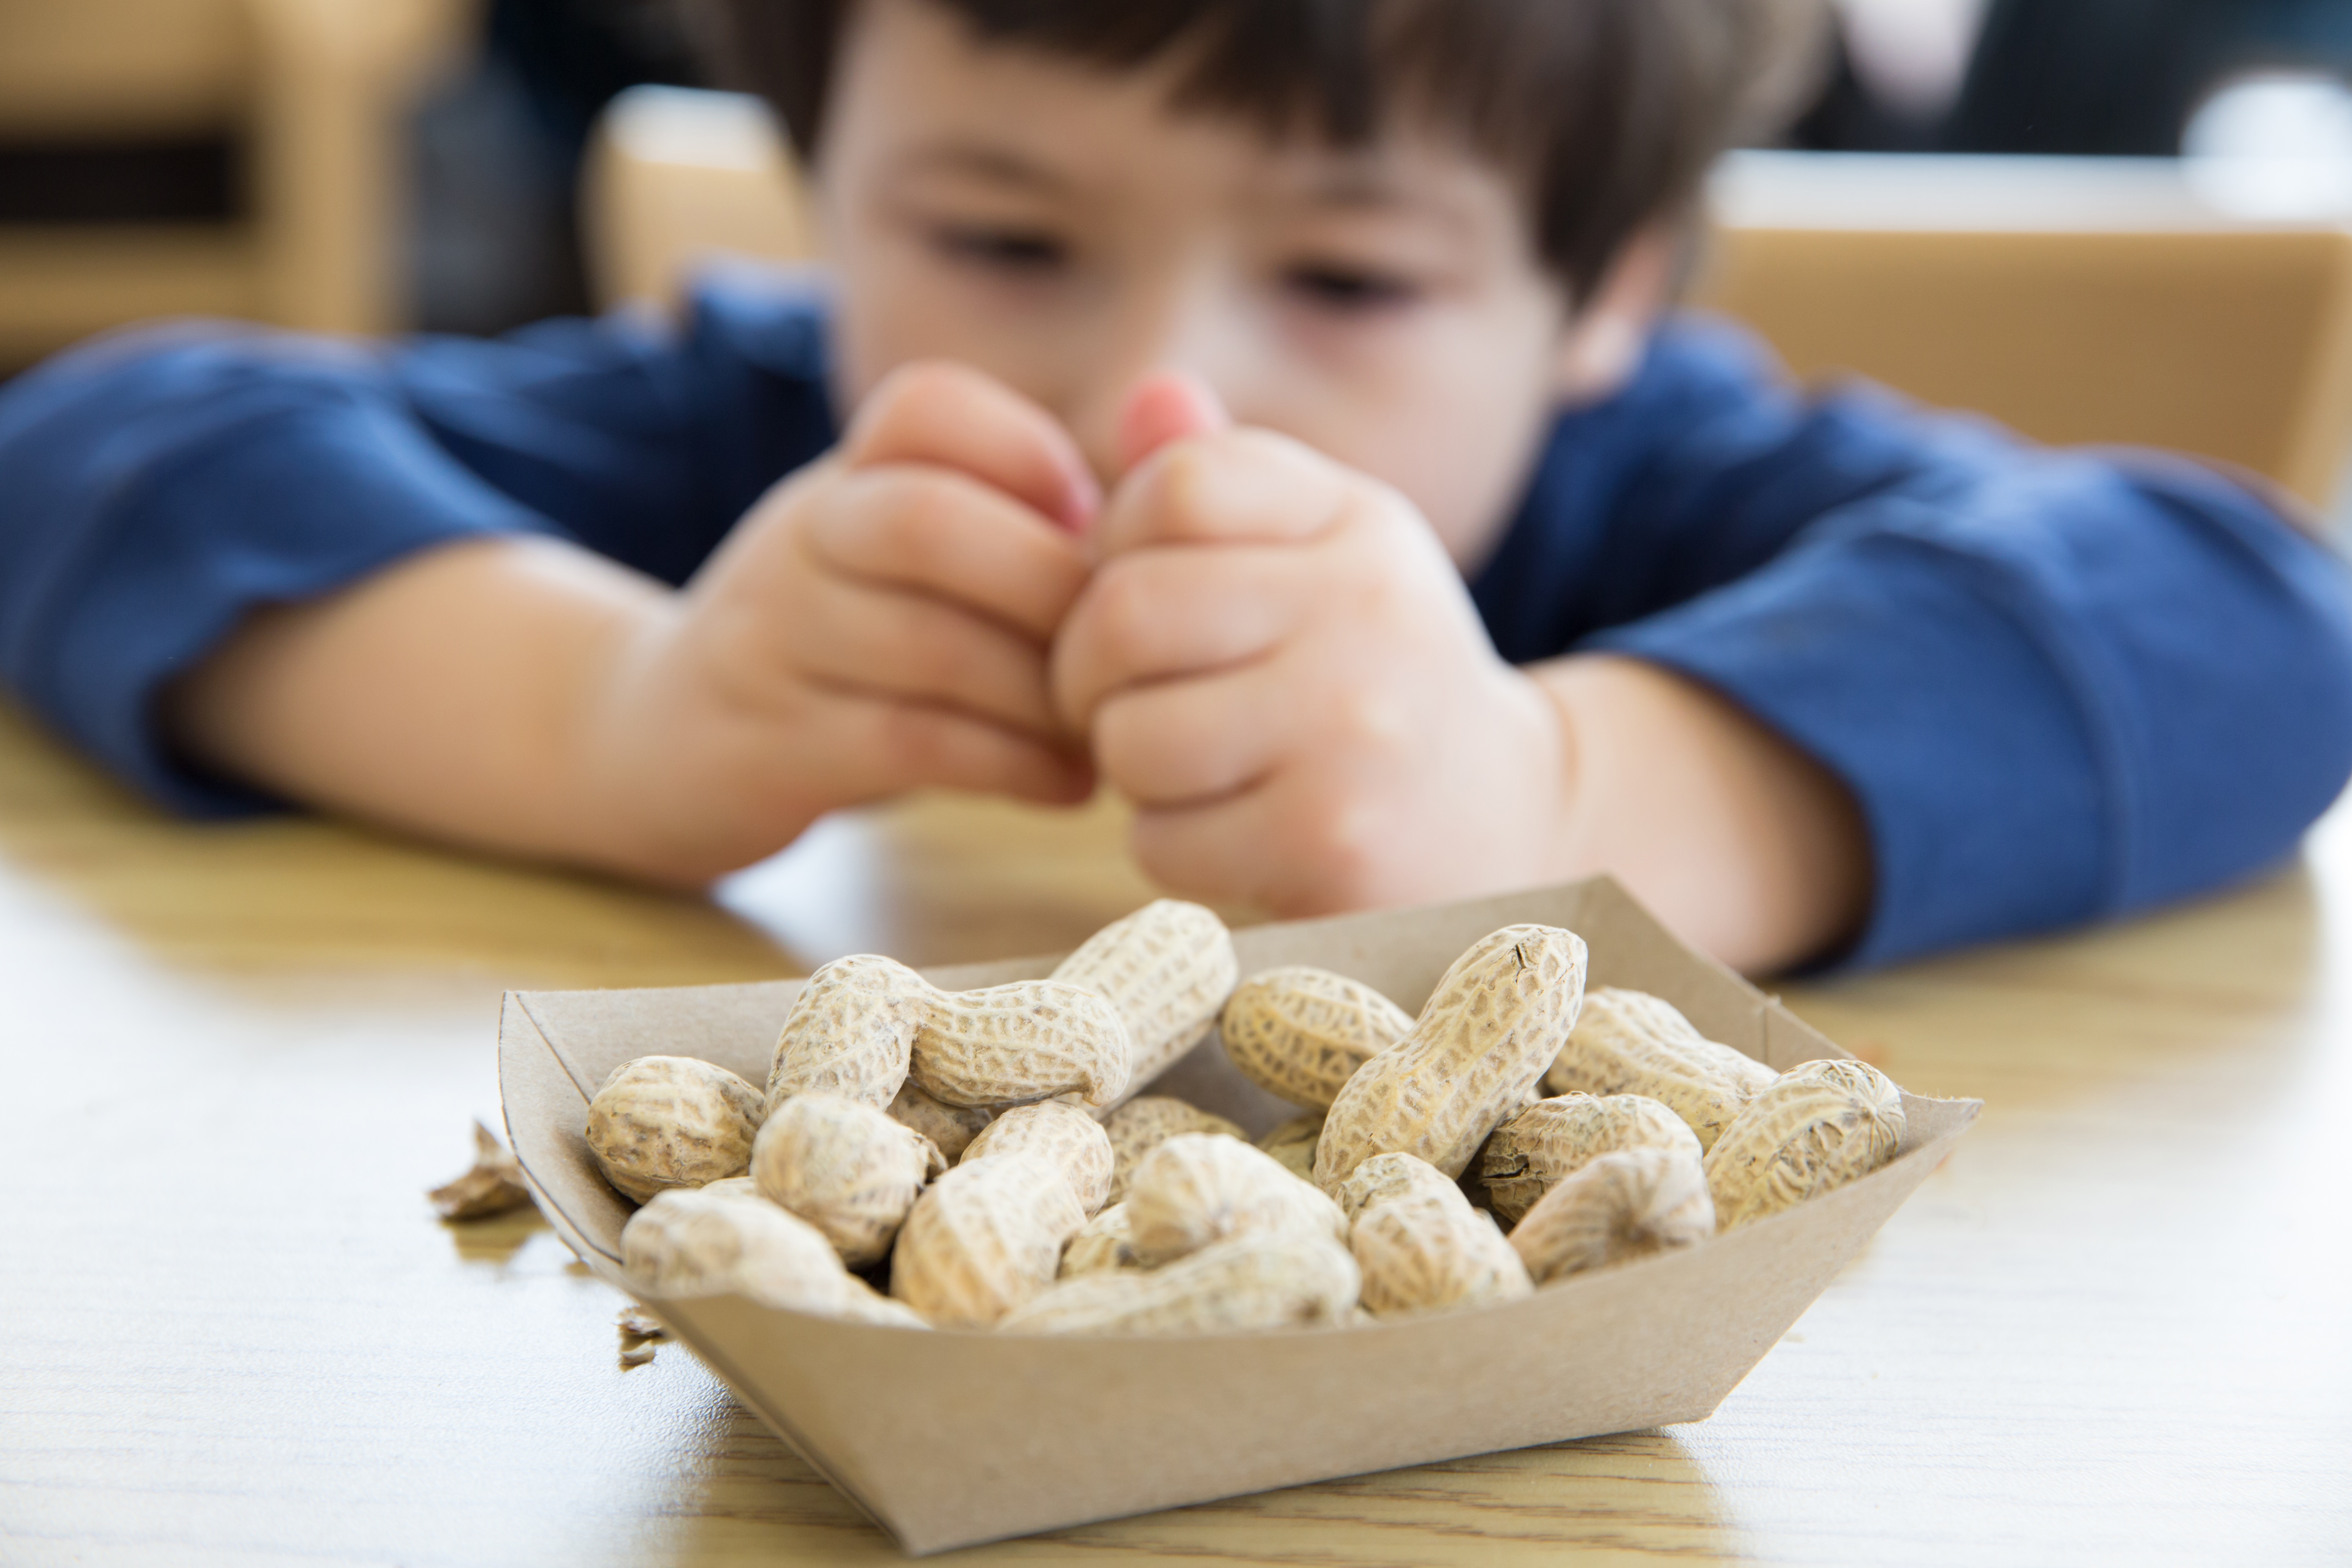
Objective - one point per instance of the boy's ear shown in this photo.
(1601, 346)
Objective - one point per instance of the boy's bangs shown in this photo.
(1607, 112)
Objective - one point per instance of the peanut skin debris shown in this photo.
(950, 1128)
(1627, 1203)
(1167, 968)
(1301, 1033)
(1630, 1042)
(1101, 1244)
(1292, 1145)
(1198, 1188)
(1027, 1041)
(700, 1244)
(1427, 1250)
(1819, 1126)
(984, 1238)
(1553, 1139)
(845, 1168)
(1496, 1020)
(850, 1031)
(1249, 1284)
(494, 1185)
(1073, 1140)
(1144, 1123)
(660, 1123)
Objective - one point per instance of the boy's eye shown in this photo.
(1353, 289)
(1006, 249)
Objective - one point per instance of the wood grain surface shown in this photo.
(2116, 1327)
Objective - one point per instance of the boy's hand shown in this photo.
(1279, 665)
(879, 621)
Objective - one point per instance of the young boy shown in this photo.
(1196, 352)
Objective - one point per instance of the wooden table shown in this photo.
(2117, 1326)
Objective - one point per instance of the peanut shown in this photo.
(1428, 1249)
(1248, 1283)
(1630, 1042)
(710, 1244)
(845, 1168)
(1101, 1244)
(849, 1032)
(671, 1121)
(1301, 1033)
(1198, 1188)
(1386, 1177)
(1496, 1020)
(1029, 1040)
(1070, 1138)
(983, 1238)
(1144, 1123)
(1626, 1204)
(1819, 1126)
(950, 1128)
(1167, 968)
(1293, 1144)
(1553, 1139)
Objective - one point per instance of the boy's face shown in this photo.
(1060, 228)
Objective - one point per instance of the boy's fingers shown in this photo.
(942, 534)
(1237, 485)
(1264, 847)
(1169, 407)
(1159, 614)
(902, 646)
(1187, 741)
(950, 415)
(885, 747)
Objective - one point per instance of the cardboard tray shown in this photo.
(949, 1438)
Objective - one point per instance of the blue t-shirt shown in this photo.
(2061, 685)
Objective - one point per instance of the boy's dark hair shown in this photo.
(1606, 112)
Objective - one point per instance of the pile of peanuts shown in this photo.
(978, 1156)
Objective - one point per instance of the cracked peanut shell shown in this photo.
(1010, 1045)
(1553, 1139)
(1199, 1188)
(1167, 969)
(1300, 1033)
(1146, 1122)
(1630, 1042)
(1073, 1140)
(1249, 1284)
(850, 1031)
(845, 1168)
(661, 1123)
(1495, 1021)
(984, 1238)
(1818, 1126)
(710, 1244)
(1630, 1202)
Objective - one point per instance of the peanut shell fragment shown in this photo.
(661, 1123)
(1630, 1042)
(1249, 1283)
(1495, 1021)
(845, 1168)
(1073, 1140)
(1300, 1033)
(1199, 1188)
(1819, 1125)
(1553, 1139)
(1630, 1202)
(1167, 968)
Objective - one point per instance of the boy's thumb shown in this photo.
(1167, 406)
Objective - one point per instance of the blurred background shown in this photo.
(2146, 199)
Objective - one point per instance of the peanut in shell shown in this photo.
(1199, 1188)
(1009, 1045)
(1496, 1020)
(1630, 1042)
(1300, 1033)
(664, 1122)
(845, 1168)
(983, 1238)
(1428, 1250)
(1247, 1284)
(1073, 1140)
(1293, 1144)
(1166, 969)
(1386, 1177)
(950, 1128)
(703, 1243)
(850, 1031)
(1553, 1139)
(1627, 1203)
(1146, 1122)
(1818, 1126)
(1101, 1244)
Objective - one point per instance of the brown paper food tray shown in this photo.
(950, 1438)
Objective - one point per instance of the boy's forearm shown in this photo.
(1746, 847)
(452, 695)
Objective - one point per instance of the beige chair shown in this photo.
(318, 91)
(2076, 300)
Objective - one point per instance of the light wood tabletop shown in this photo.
(2117, 1326)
